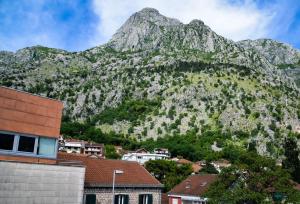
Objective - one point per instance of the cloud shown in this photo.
(236, 20)
(59, 24)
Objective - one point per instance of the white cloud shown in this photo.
(237, 21)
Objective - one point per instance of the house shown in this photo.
(120, 150)
(162, 151)
(191, 190)
(29, 133)
(220, 164)
(164, 198)
(74, 146)
(141, 151)
(133, 183)
(91, 148)
(143, 157)
(297, 129)
(195, 166)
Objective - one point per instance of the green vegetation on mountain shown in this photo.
(158, 78)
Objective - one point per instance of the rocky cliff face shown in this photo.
(149, 30)
(276, 53)
(173, 77)
(281, 55)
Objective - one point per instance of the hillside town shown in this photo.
(87, 176)
(76, 171)
(168, 109)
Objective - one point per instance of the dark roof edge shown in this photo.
(179, 194)
(102, 185)
(32, 94)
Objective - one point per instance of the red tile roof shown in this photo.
(73, 140)
(297, 186)
(194, 185)
(184, 161)
(99, 173)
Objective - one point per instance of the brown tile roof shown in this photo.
(297, 186)
(196, 167)
(194, 185)
(73, 140)
(30, 114)
(222, 162)
(184, 161)
(92, 144)
(142, 150)
(100, 172)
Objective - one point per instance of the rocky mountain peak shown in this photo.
(197, 22)
(148, 29)
(152, 16)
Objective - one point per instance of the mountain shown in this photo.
(281, 55)
(159, 77)
(149, 30)
(276, 53)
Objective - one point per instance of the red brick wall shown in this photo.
(27, 159)
(26, 113)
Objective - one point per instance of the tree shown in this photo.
(110, 152)
(292, 162)
(168, 172)
(209, 168)
(255, 179)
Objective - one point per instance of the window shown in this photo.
(26, 144)
(175, 200)
(6, 141)
(46, 146)
(90, 199)
(145, 199)
(22, 145)
(121, 199)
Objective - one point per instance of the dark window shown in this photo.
(145, 199)
(6, 141)
(26, 144)
(121, 199)
(90, 199)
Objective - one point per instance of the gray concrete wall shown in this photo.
(23, 183)
(104, 196)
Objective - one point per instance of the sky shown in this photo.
(76, 25)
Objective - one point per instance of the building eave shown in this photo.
(187, 197)
(103, 185)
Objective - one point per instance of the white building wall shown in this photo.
(40, 183)
(143, 157)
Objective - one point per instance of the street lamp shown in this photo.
(114, 177)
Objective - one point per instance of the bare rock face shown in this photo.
(148, 29)
(276, 53)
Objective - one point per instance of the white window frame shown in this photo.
(15, 151)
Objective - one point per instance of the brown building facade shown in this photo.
(29, 127)
(29, 172)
